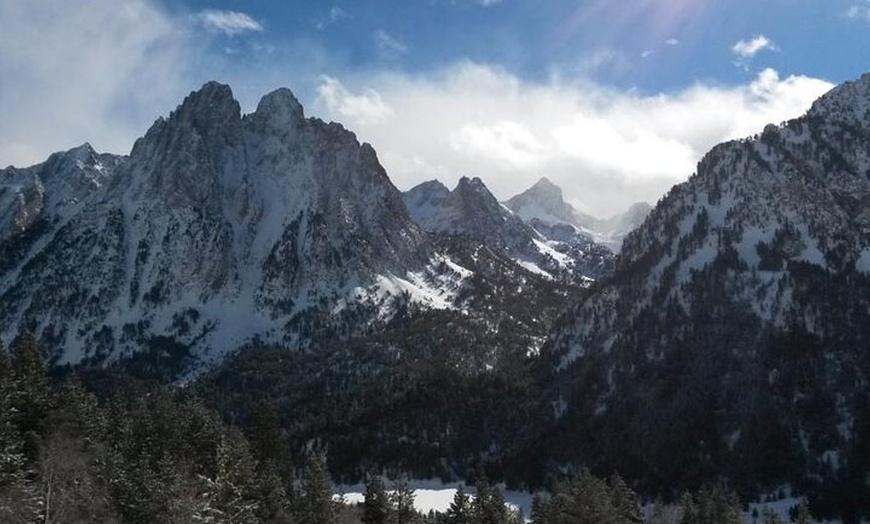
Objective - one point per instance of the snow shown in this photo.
(533, 268)
(435, 495)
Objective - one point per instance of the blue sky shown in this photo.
(614, 101)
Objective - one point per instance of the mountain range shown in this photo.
(433, 329)
(220, 229)
(543, 206)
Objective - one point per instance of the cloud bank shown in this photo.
(86, 70)
(606, 148)
(109, 68)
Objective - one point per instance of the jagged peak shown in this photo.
(431, 185)
(849, 100)
(212, 102)
(545, 183)
(473, 184)
(281, 105)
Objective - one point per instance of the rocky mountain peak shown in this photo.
(543, 202)
(283, 106)
(212, 105)
(849, 103)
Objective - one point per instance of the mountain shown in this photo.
(471, 211)
(217, 229)
(544, 202)
(543, 207)
(733, 338)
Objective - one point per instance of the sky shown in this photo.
(614, 101)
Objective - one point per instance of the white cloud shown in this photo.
(390, 45)
(336, 15)
(508, 143)
(672, 42)
(487, 3)
(607, 148)
(102, 71)
(366, 108)
(87, 70)
(749, 48)
(230, 23)
(859, 11)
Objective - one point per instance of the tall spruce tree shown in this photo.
(20, 500)
(30, 391)
(625, 502)
(460, 510)
(315, 504)
(376, 506)
(402, 499)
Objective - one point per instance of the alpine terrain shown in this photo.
(733, 338)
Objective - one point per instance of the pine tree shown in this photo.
(226, 496)
(460, 509)
(267, 442)
(376, 506)
(489, 506)
(689, 509)
(20, 500)
(625, 501)
(30, 391)
(315, 501)
(402, 499)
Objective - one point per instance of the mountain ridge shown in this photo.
(737, 312)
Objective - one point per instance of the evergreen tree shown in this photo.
(315, 504)
(583, 500)
(689, 510)
(803, 514)
(376, 506)
(625, 501)
(227, 499)
(30, 391)
(402, 499)
(20, 500)
(489, 505)
(460, 510)
(267, 442)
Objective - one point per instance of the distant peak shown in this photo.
(547, 188)
(282, 104)
(212, 102)
(545, 182)
(211, 92)
(474, 183)
(431, 185)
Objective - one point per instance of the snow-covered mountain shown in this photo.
(471, 210)
(217, 228)
(543, 207)
(733, 338)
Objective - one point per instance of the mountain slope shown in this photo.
(733, 337)
(218, 228)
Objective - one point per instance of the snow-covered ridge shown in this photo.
(750, 272)
(217, 229)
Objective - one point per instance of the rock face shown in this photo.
(733, 338)
(217, 228)
(543, 207)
